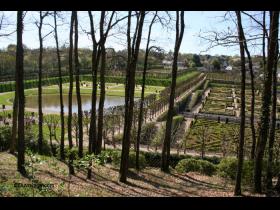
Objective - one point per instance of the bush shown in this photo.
(207, 167)
(116, 159)
(148, 132)
(227, 168)
(191, 164)
(118, 138)
(5, 137)
(31, 142)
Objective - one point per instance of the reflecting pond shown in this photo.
(51, 103)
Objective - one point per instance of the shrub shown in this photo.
(187, 165)
(74, 152)
(191, 164)
(116, 159)
(148, 132)
(32, 143)
(207, 167)
(118, 138)
(228, 166)
(5, 137)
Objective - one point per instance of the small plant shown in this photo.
(32, 160)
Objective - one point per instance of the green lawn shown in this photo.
(112, 89)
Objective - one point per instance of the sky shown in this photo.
(195, 21)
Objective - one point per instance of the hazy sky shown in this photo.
(195, 22)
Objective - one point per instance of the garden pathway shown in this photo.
(237, 111)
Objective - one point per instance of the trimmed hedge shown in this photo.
(153, 159)
(116, 159)
(196, 97)
(228, 166)
(194, 165)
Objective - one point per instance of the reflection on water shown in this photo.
(51, 103)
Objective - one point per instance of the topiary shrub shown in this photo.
(191, 164)
(116, 159)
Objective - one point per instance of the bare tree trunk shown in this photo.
(21, 98)
(140, 117)
(101, 100)
(69, 123)
(263, 42)
(62, 155)
(272, 123)
(252, 117)
(95, 61)
(167, 139)
(266, 100)
(103, 37)
(241, 37)
(40, 112)
(129, 93)
(79, 100)
(102, 85)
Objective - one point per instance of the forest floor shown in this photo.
(147, 182)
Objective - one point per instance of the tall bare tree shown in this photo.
(266, 101)
(103, 37)
(69, 123)
(132, 57)
(272, 121)
(40, 61)
(62, 154)
(77, 76)
(241, 38)
(95, 61)
(180, 26)
(140, 117)
(20, 90)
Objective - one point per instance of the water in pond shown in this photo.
(51, 103)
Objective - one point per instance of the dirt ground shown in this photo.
(149, 182)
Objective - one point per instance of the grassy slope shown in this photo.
(148, 182)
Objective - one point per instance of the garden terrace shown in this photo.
(219, 101)
(219, 137)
